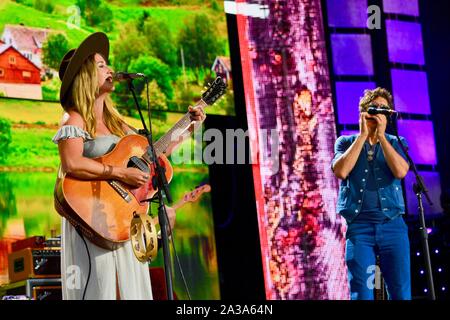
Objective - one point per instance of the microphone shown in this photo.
(375, 110)
(122, 76)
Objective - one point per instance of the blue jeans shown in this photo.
(390, 242)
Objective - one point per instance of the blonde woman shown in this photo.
(91, 128)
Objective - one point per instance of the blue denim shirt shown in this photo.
(351, 189)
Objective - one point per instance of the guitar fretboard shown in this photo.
(174, 133)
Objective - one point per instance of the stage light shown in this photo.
(425, 290)
(440, 270)
(443, 288)
(418, 254)
(421, 272)
(436, 251)
(429, 230)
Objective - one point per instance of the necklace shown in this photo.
(371, 152)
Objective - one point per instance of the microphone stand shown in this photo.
(419, 188)
(159, 181)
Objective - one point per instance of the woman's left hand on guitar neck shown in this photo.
(197, 114)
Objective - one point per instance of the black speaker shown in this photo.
(35, 289)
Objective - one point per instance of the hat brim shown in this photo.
(95, 43)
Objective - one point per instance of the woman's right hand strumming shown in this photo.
(133, 177)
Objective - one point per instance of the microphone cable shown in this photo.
(89, 260)
(177, 258)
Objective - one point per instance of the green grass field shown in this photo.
(50, 113)
(123, 11)
(33, 148)
(35, 122)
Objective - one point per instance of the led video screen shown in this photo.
(292, 133)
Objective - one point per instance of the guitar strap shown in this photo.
(133, 128)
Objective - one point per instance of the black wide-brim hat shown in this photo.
(71, 62)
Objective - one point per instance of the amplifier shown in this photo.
(34, 263)
(33, 242)
(36, 289)
(53, 242)
(36, 242)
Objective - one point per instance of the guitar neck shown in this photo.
(179, 204)
(176, 131)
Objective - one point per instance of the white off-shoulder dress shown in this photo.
(106, 266)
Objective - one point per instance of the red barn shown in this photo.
(27, 40)
(222, 68)
(19, 77)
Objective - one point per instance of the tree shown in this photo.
(5, 138)
(161, 43)
(104, 17)
(199, 39)
(158, 100)
(154, 69)
(86, 7)
(215, 6)
(44, 6)
(96, 13)
(141, 21)
(128, 47)
(54, 50)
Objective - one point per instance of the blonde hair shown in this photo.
(81, 97)
(370, 95)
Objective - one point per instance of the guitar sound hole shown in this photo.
(138, 163)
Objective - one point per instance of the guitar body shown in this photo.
(101, 209)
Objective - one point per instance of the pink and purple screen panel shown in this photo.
(288, 90)
(352, 54)
(347, 97)
(347, 14)
(420, 137)
(406, 7)
(405, 42)
(410, 90)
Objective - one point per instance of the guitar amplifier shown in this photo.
(36, 289)
(33, 242)
(34, 263)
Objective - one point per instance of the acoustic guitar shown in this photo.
(103, 209)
